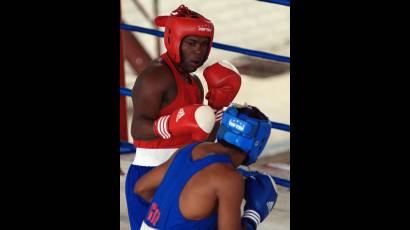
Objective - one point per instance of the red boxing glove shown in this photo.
(223, 81)
(196, 120)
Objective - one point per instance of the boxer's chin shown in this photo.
(190, 66)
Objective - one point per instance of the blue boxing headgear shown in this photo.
(248, 133)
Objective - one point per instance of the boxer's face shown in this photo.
(193, 52)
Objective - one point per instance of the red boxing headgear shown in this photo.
(181, 23)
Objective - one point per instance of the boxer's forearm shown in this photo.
(212, 136)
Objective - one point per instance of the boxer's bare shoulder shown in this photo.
(157, 74)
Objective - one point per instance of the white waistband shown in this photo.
(152, 157)
(144, 226)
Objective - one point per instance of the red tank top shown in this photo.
(187, 94)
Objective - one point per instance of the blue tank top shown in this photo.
(164, 212)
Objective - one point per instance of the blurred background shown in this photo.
(249, 24)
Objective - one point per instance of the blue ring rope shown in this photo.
(280, 126)
(154, 32)
(250, 52)
(282, 182)
(125, 92)
(280, 2)
(126, 147)
(216, 45)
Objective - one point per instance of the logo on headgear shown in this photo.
(204, 28)
(236, 124)
(246, 128)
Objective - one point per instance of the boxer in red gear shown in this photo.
(166, 86)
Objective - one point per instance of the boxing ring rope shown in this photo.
(125, 92)
(279, 2)
(216, 45)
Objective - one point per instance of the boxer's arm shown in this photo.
(201, 87)
(148, 184)
(147, 95)
(214, 131)
(230, 191)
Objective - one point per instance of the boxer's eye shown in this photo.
(191, 43)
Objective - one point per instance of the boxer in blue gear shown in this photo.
(208, 192)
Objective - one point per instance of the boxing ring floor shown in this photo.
(278, 219)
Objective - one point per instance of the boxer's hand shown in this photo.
(196, 120)
(224, 82)
(260, 196)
